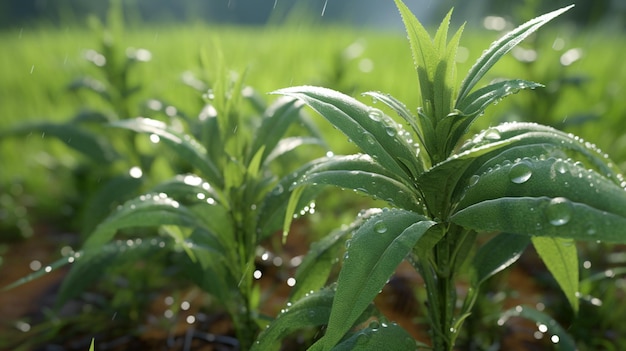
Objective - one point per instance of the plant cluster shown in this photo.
(522, 184)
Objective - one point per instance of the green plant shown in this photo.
(108, 156)
(527, 182)
(213, 219)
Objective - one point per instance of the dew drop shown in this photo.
(560, 166)
(370, 138)
(559, 211)
(492, 134)
(375, 114)
(473, 180)
(380, 227)
(391, 131)
(520, 172)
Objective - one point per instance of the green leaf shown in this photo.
(496, 255)
(379, 336)
(531, 133)
(561, 258)
(62, 262)
(311, 310)
(440, 182)
(272, 212)
(543, 216)
(286, 145)
(552, 177)
(500, 47)
(93, 85)
(182, 144)
(276, 120)
(188, 189)
(214, 270)
(557, 334)
(423, 135)
(442, 86)
(424, 55)
(475, 104)
(316, 266)
(145, 211)
(373, 254)
(75, 137)
(110, 194)
(255, 163)
(90, 263)
(362, 174)
(372, 131)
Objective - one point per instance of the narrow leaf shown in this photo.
(273, 214)
(379, 336)
(531, 133)
(184, 146)
(374, 252)
(561, 258)
(212, 270)
(496, 255)
(314, 270)
(424, 54)
(475, 104)
(90, 263)
(415, 123)
(477, 101)
(309, 311)
(75, 137)
(543, 216)
(276, 120)
(289, 144)
(360, 173)
(442, 91)
(546, 177)
(110, 194)
(502, 46)
(145, 211)
(367, 127)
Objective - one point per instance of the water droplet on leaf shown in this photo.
(391, 131)
(380, 227)
(473, 180)
(559, 211)
(375, 114)
(492, 134)
(520, 172)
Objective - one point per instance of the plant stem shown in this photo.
(438, 275)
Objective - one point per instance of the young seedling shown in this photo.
(530, 183)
